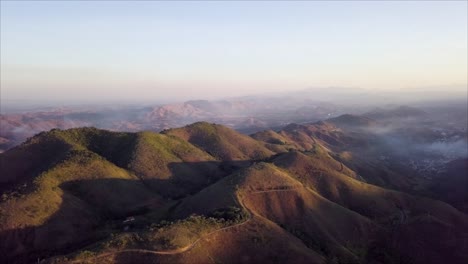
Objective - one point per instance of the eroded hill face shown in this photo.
(312, 193)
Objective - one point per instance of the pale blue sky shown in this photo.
(148, 50)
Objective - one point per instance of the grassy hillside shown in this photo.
(31, 158)
(274, 141)
(349, 141)
(171, 166)
(63, 206)
(221, 142)
(398, 213)
(207, 194)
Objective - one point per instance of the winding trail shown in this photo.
(194, 243)
(275, 190)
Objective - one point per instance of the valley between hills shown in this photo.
(333, 191)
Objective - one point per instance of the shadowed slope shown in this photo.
(452, 185)
(62, 197)
(276, 199)
(401, 214)
(274, 141)
(60, 213)
(154, 162)
(31, 158)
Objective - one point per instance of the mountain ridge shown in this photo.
(95, 179)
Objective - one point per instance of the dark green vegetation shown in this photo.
(207, 194)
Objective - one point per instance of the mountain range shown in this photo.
(247, 115)
(334, 191)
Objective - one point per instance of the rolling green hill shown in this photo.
(205, 193)
(221, 142)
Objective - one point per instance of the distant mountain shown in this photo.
(399, 112)
(203, 193)
(249, 114)
(348, 120)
